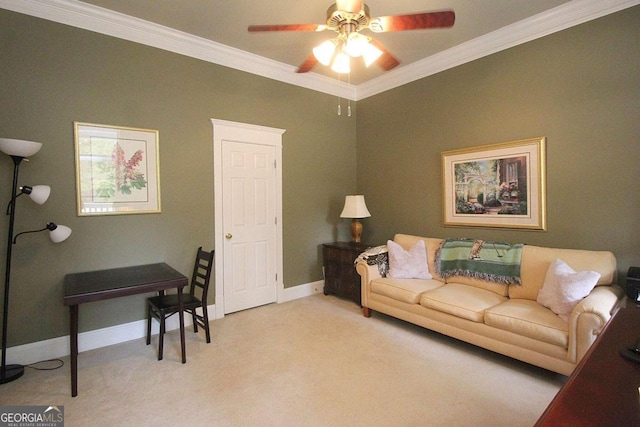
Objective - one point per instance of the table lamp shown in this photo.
(355, 208)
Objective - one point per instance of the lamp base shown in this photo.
(356, 230)
(11, 373)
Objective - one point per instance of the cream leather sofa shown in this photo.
(501, 318)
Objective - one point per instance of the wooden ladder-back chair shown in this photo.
(162, 306)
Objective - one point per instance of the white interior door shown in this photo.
(249, 222)
(248, 215)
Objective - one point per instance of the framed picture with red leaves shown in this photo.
(117, 170)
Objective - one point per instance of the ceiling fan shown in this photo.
(348, 18)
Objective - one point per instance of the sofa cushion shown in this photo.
(464, 301)
(405, 290)
(408, 264)
(564, 288)
(530, 319)
(497, 288)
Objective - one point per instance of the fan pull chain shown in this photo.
(339, 103)
(349, 100)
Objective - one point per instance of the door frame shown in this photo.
(224, 130)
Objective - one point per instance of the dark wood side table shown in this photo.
(603, 388)
(340, 276)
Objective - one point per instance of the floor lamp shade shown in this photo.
(19, 147)
(355, 208)
(37, 193)
(19, 150)
(59, 234)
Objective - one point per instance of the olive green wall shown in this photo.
(53, 75)
(580, 88)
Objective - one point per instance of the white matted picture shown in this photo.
(500, 185)
(117, 170)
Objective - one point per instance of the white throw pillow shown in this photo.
(564, 288)
(411, 264)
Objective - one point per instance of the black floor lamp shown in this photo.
(19, 150)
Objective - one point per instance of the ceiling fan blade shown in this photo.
(308, 64)
(416, 21)
(287, 27)
(349, 5)
(386, 61)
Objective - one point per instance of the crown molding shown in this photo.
(115, 24)
(104, 21)
(557, 19)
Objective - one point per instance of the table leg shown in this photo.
(73, 334)
(181, 314)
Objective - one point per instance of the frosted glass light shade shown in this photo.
(324, 52)
(59, 234)
(356, 45)
(355, 207)
(19, 147)
(341, 63)
(370, 54)
(38, 193)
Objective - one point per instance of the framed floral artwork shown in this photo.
(499, 186)
(117, 170)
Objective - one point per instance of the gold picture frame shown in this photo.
(117, 170)
(496, 186)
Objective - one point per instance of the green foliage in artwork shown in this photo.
(135, 182)
(106, 189)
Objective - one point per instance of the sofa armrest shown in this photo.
(367, 274)
(589, 317)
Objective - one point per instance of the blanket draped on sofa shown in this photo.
(494, 261)
(376, 256)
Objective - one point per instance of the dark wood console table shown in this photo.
(603, 390)
(113, 283)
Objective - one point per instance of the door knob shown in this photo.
(228, 236)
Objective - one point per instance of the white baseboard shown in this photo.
(59, 347)
(301, 291)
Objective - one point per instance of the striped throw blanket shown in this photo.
(482, 259)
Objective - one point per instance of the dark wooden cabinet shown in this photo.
(340, 276)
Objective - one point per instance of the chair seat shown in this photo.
(164, 302)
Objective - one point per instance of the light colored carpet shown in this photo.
(315, 361)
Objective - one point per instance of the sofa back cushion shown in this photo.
(432, 245)
(536, 261)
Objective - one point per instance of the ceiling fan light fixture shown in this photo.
(341, 63)
(370, 54)
(324, 52)
(347, 18)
